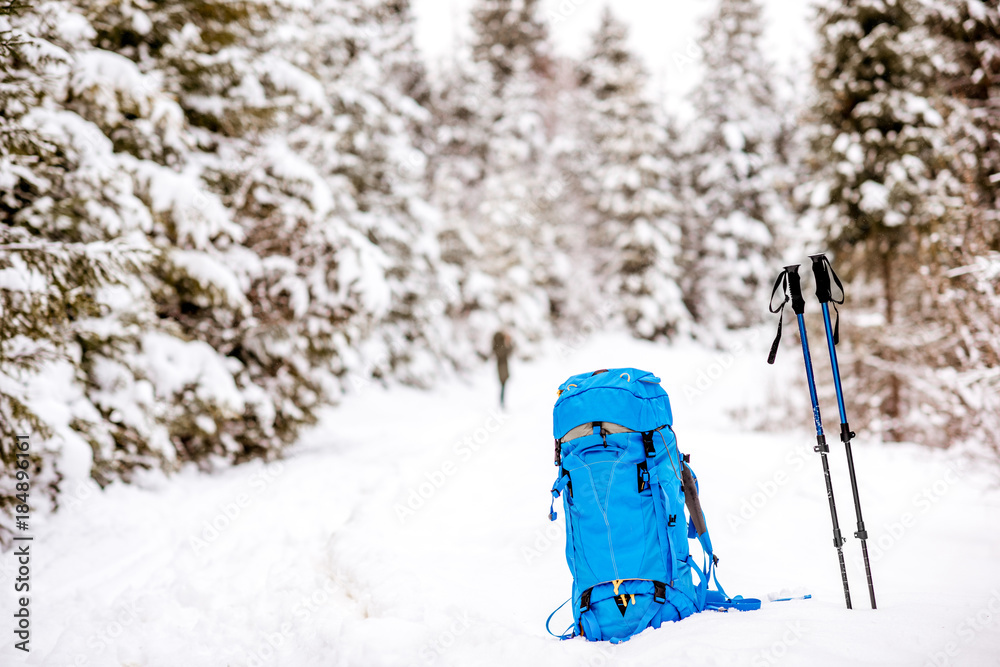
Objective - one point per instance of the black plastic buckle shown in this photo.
(659, 592)
(642, 472)
(585, 600)
(569, 481)
(671, 521)
(647, 443)
(604, 434)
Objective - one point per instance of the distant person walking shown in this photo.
(502, 347)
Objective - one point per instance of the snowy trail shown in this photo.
(411, 529)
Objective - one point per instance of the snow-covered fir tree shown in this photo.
(259, 160)
(216, 61)
(510, 36)
(72, 240)
(584, 303)
(880, 184)
(959, 354)
(363, 147)
(969, 34)
(637, 235)
(493, 178)
(736, 173)
(879, 180)
(218, 216)
(390, 26)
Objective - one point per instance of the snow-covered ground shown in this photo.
(410, 528)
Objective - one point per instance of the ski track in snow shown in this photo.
(312, 562)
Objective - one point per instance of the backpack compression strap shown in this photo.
(647, 618)
(568, 634)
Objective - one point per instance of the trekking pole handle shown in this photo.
(819, 264)
(795, 289)
(790, 288)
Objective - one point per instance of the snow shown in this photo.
(67, 128)
(19, 277)
(874, 197)
(54, 394)
(209, 272)
(287, 78)
(290, 166)
(410, 528)
(115, 82)
(362, 270)
(734, 136)
(198, 215)
(176, 365)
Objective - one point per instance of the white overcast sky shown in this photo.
(664, 32)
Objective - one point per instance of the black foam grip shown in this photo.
(822, 278)
(795, 290)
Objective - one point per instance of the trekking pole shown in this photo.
(823, 272)
(791, 289)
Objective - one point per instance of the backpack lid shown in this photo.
(627, 396)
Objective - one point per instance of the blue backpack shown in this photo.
(625, 486)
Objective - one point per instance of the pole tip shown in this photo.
(792, 267)
(817, 256)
